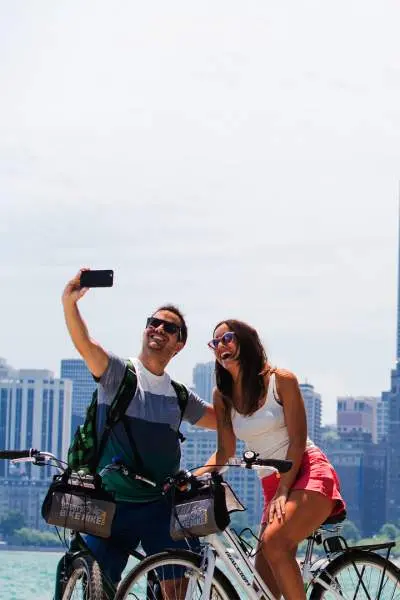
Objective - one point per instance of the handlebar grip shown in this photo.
(283, 466)
(14, 454)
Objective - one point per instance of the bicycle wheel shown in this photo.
(85, 581)
(173, 575)
(359, 575)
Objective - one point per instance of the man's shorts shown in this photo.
(134, 523)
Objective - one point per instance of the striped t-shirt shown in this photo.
(153, 418)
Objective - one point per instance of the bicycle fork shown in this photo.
(207, 567)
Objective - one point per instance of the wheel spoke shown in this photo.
(360, 578)
(171, 578)
(85, 581)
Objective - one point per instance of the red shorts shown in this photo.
(316, 474)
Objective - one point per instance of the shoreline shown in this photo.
(12, 548)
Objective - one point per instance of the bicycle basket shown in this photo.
(203, 510)
(79, 503)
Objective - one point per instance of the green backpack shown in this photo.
(86, 449)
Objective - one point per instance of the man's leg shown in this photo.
(155, 538)
(112, 553)
(110, 556)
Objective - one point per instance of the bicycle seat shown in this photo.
(335, 519)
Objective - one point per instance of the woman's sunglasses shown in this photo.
(167, 325)
(225, 339)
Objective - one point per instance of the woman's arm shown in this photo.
(296, 423)
(225, 436)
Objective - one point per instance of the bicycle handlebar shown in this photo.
(249, 460)
(282, 466)
(15, 454)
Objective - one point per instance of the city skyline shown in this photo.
(202, 375)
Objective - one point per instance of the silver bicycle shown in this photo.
(224, 568)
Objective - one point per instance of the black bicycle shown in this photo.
(78, 574)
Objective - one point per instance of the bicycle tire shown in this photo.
(135, 584)
(85, 574)
(342, 573)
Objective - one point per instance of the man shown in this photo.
(151, 425)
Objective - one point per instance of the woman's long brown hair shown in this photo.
(253, 360)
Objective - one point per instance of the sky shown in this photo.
(240, 159)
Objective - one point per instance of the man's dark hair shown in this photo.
(175, 310)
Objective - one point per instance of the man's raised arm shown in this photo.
(95, 357)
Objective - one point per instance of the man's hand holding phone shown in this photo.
(85, 279)
(73, 291)
(93, 354)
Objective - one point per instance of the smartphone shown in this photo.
(99, 278)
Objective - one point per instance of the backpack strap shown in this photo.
(122, 398)
(183, 396)
(124, 395)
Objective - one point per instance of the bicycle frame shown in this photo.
(214, 545)
(254, 588)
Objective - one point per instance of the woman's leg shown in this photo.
(305, 511)
(263, 567)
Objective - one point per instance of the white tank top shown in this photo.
(265, 431)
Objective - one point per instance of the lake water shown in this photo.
(28, 575)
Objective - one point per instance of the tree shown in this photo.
(13, 520)
(34, 537)
(389, 530)
(350, 531)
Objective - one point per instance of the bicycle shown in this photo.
(78, 574)
(346, 572)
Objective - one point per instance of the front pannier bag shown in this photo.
(203, 509)
(79, 503)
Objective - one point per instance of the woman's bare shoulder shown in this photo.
(218, 398)
(285, 376)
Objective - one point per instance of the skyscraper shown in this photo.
(392, 398)
(200, 445)
(361, 466)
(35, 412)
(83, 388)
(204, 380)
(358, 413)
(312, 403)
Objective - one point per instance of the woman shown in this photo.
(263, 406)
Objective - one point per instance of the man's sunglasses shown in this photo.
(167, 325)
(229, 336)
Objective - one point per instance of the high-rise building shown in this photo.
(35, 412)
(392, 400)
(362, 467)
(83, 388)
(358, 414)
(382, 418)
(204, 380)
(25, 496)
(200, 445)
(312, 403)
